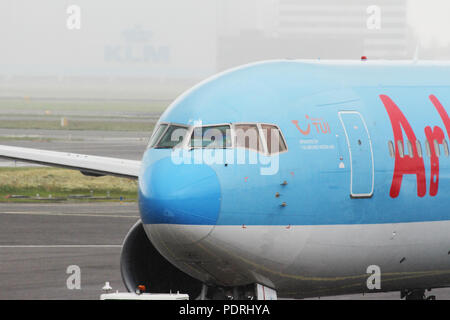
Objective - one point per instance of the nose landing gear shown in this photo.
(247, 292)
(416, 294)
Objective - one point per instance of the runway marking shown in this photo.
(68, 214)
(64, 246)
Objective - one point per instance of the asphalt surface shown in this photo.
(119, 144)
(39, 242)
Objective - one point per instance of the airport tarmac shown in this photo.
(39, 242)
(120, 144)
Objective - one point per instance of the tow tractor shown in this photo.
(260, 292)
(140, 294)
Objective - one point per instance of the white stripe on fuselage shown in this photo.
(301, 261)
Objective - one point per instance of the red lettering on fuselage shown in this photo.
(442, 113)
(404, 165)
(320, 125)
(434, 136)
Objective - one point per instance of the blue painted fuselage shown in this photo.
(317, 166)
(329, 208)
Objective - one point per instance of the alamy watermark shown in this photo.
(373, 22)
(244, 144)
(374, 280)
(73, 21)
(73, 282)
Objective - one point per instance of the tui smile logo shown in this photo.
(320, 125)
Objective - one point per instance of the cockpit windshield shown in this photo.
(259, 137)
(172, 137)
(215, 137)
(157, 133)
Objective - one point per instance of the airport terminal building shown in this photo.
(158, 49)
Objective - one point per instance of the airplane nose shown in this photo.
(179, 194)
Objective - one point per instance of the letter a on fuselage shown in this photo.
(406, 164)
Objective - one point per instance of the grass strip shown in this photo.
(54, 184)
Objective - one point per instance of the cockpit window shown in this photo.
(247, 136)
(157, 133)
(264, 138)
(274, 139)
(172, 137)
(215, 137)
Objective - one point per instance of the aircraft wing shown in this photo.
(88, 165)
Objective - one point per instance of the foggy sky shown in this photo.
(430, 20)
(170, 39)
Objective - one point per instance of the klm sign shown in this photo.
(137, 47)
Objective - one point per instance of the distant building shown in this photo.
(156, 49)
(326, 29)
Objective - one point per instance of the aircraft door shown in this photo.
(361, 154)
